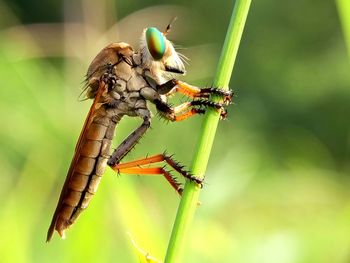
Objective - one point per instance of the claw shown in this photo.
(180, 190)
(197, 180)
(207, 103)
(223, 114)
(225, 94)
(228, 97)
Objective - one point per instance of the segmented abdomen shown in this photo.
(86, 172)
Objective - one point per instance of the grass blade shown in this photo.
(190, 197)
(344, 15)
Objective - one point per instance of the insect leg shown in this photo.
(174, 85)
(133, 167)
(125, 147)
(167, 87)
(193, 107)
(155, 171)
(195, 92)
(129, 166)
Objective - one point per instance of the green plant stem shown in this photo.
(344, 15)
(190, 197)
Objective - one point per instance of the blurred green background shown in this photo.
(277, 185)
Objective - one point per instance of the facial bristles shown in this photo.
(169, 64)
(183, 58)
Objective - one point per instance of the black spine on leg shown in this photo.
(216, 91)
(180, 169)
(207, 103)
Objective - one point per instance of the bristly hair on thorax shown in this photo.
(169, 66)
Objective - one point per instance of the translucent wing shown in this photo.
(95, 105)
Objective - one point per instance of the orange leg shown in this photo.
(154, 171)
(198, 105)
(137, 163)
(188, 114)
(193, 111)
(174, 85)
(135, 167)
(182, 107)
(195, 92)
(170, 113)
(187, 89)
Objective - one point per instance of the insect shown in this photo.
(120, 81)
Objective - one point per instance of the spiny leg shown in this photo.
(135, 167)
(193, 107)
(157, 159)
(154, 171)
(195, 92)
(191, 91)
(125, 147)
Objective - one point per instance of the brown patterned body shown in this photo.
(87, 168)
(111, 102)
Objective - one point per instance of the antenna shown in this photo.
(168, 28)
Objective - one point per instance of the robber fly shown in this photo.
(121, 81)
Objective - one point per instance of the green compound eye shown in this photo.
(155, 42)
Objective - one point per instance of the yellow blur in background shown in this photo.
(277, 185)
